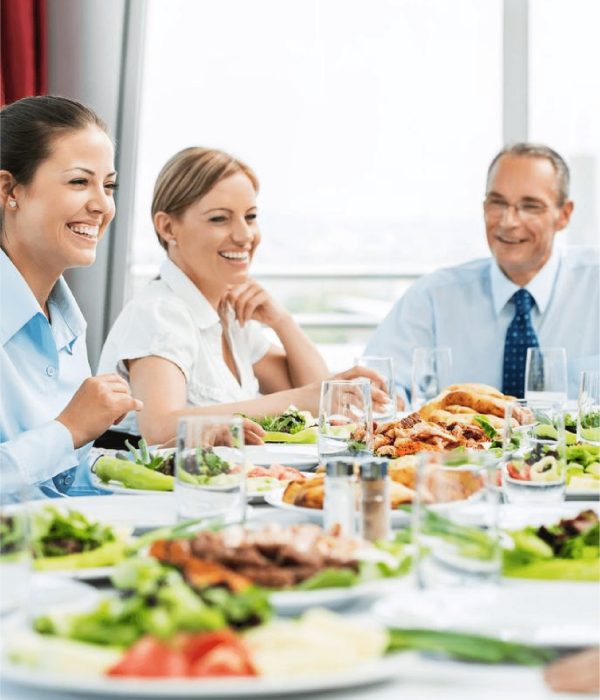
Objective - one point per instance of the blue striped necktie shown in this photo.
(520, 335)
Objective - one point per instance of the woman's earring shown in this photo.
(172, 241)
(12, 203)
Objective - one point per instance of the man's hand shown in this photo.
(97, 404)
(250, 301)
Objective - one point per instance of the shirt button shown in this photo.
(50, 370)
(68, 479)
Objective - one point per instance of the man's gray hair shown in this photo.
(538, 150)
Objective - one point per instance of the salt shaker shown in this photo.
(374, 500)
(339, 507)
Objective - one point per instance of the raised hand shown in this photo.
(97, 404)
(250, 301)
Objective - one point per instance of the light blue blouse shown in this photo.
(42, 364)
(468, 309)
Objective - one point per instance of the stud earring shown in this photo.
(172, 241)
(12, 204)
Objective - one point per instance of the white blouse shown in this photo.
(171, 318)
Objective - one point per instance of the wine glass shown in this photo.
(588, 408)
(546, 374)
(431, 369)
(385, 367)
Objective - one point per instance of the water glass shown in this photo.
(385, 367)
(345, 418)
(431, 368)
(534, 452)
(588, 408)
(210, 476)
(455, 520)
(15, 557)
(546, 374)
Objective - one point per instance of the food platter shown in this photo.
(361, 675)
(563, 614)
(275, 498)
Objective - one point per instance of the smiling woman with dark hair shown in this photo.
(57, 179)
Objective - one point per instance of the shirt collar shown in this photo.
(203, 313)
(540, 287)
(24, 306)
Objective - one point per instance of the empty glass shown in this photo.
(455, 520)
(546, 374)
(533, 454)
(431, 369)
(588, 408)
(210, 477)
(15, 556)
(345, 418)
(385, 367)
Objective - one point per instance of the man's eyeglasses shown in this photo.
(497, 208)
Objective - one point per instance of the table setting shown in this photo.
(426, 552)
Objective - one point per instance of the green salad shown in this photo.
(568, 550)
(68, 540)
(291, 426)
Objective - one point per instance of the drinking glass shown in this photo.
(588, 408)
(455, 520)
(546, 374)
(431, 369)
(533, 452)
(15, 555)
(385, 367)
(345, 418)
(210, 476)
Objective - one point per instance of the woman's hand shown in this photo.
(250, 301)
(253, 435)
(576, 673)
(97, 404)
(379, 396)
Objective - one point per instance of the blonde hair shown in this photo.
(189, 175)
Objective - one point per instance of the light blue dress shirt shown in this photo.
(42, 365)
(468, 309)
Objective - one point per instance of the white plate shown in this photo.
(565, 614)
(275, 498)
(115, 487)
(584, 493)
(361, 675)
(280, 453)
(515, 516)
(149, 510)
(295, 602)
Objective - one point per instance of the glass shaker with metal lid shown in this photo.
(339, 508)
(374, 500)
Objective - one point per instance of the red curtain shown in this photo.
(24, 69)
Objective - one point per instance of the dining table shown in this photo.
(418, 676)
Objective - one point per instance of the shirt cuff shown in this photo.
(36, 455)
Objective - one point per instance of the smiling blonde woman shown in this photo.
(192, 340)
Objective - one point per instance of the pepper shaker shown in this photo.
(339, 510)
(374, 501)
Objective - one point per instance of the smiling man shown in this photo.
(529, 293)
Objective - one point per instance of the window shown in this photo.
(370, 125)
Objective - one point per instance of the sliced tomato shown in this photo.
(149, 657)
(195, 646)
(224, 660)
(522, 474)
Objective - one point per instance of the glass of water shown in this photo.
(455, 520)
(210, 476)
(15, 556)
(431, 369)
(546, 374)
(588, 408)
(345, 418)
(385, 367)
(534, 452)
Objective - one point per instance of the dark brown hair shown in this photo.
(28, 126)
